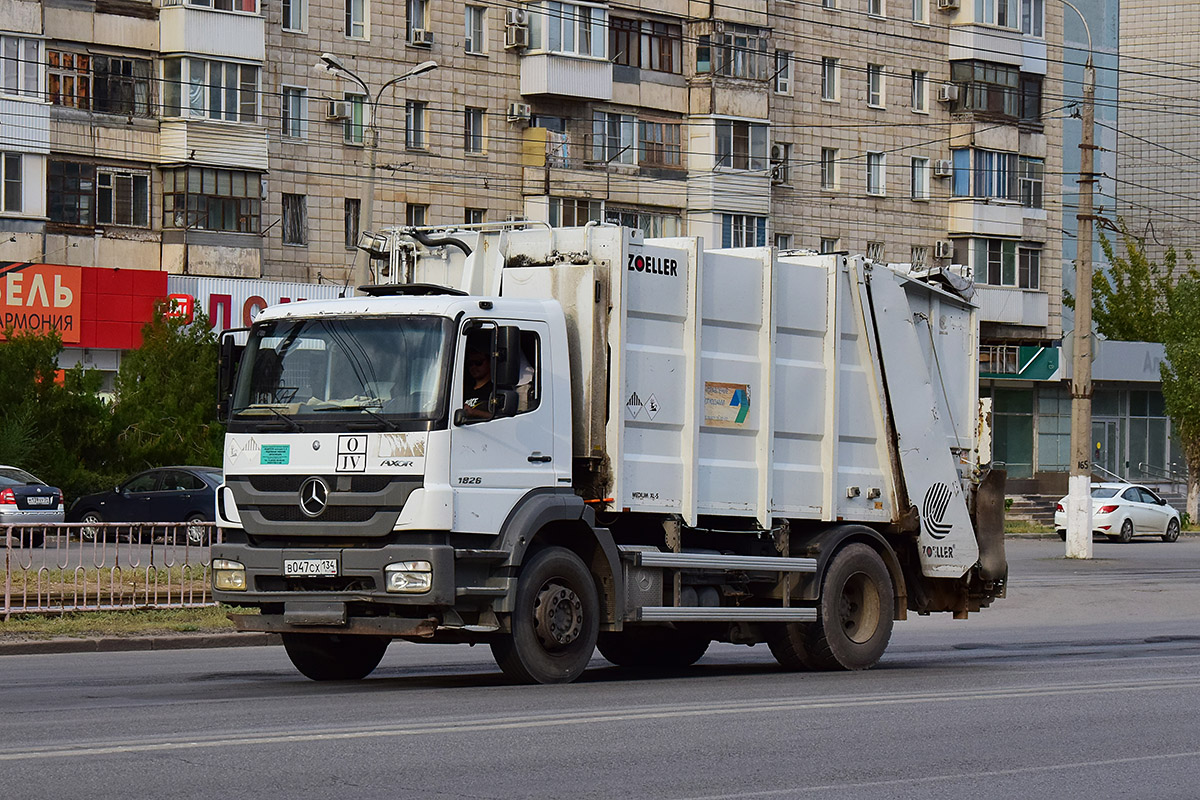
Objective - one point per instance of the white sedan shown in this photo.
(1121, 511)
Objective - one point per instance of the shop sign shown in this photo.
(39, 298)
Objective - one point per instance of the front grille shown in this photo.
(331, 514)
(274, 583)
(292, 483)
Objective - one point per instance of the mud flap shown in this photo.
(989, 525)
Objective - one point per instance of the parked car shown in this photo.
(164, 494)
(25, 500)
(1121, 511)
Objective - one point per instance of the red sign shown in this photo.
(183, 306)
(38, 298)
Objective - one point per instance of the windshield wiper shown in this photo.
(292, 425)
(360, 407)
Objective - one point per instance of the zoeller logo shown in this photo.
(933, 510)
(314, 496)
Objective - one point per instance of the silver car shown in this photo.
(1121, 511)
(26, 502)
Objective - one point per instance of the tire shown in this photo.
(854, 617)
(334, 656)
(1062, 534)
(38, 538)
(196, 535)
(652, 649)
(1126, 534)
(90, 534)
(1172, 531)
(555, 620)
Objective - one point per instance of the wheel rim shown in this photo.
(858, 608)
(89, 532)
(557, 616)
(195, 532)
(1172, 530)
(1127, 530)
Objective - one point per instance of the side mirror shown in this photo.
(507, 368)
(504, 403)
(229, 357)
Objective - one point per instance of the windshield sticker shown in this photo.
(275, 454)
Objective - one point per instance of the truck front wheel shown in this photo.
(854, 617)
(555, 620)
(334, 656)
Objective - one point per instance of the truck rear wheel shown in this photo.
(854, 617)
(333, 656)
(652, 648)
(555, 620)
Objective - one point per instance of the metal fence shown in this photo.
(106, 567)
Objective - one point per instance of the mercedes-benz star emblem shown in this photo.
(314, 496)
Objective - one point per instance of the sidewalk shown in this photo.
(109, 644)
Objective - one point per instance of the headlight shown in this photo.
(229, 576)
(409, 577)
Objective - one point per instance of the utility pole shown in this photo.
(1079, 495)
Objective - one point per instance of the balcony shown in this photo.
(202, 31)
(559, 75)
(986, 217)
(26, 127)
(216, 144)
(1009, 306)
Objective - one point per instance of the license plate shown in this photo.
(310, 567)
(39, 501)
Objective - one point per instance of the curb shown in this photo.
(113, 644)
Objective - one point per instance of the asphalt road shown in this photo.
(1083, 683)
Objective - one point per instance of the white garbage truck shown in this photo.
(557, 440)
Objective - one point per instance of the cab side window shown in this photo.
(529, 382)
(478, 385)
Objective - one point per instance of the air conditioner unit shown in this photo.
(943, 168)
(421, 37)
(516, 37)
(948, 5)
(338, 109)
(947, 93)
(779, 174)
(516, 16)
(519, 111)
(776, 153)
(943, 248)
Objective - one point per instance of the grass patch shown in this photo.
(1026, 526)
(119, 623)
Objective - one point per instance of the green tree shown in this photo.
(1181, 379)
(166, 396)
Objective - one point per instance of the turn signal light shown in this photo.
(1058, 507)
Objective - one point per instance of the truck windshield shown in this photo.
(391, 367)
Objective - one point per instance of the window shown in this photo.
(1032, 17)
(571, 28)
(122, 198)
(875, 251)
(920, 178)
(294, 15)
(1029, 267)
(69, 78)
(477, 396)
(829, 3)
(783, 72)
(624, 42)
(984, 173)
(212, 199)
(295, 219)
(741, 145)
(354, 130)
(473, 216)
(122, 85)
(1031, 98)
(213, 89)
(876, 174)
(739, 52)
(249, 6)
(829, 79)
(612, 137)
(783, 241)
(1032, 170)
(662, 47)
(875, 8)
(996, 262)
(71, 193)
(21, 59)
(418, 16)
(920, 9)
(875, 85)
(743, 230)
(295, 112)
(356, 19)
(920, 93)
(658, 144)
(415, 214)
(473, 37)
(919, 255)
(829, 244)
(652, 224)
(997, 89)
(351, 214)
(829, 171)
(10, 173)
(997, 12)
(566, 212)
(473, 137)
(414, 124)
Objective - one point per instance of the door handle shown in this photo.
(538, 458)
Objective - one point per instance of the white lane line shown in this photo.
(565, 719)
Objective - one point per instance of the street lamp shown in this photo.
(332, 64)
(1079, 491)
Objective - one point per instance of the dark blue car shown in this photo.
(164, 494)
